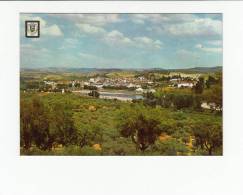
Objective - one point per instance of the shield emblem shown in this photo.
(33, 27)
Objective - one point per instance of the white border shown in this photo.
(121, 175)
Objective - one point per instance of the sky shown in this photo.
(126, 41)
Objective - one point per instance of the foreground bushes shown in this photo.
(69, 125)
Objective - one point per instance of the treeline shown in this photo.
(42, 86)
(173, 100)
(209, 91)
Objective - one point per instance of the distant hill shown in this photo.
(108, 70)
(204, 69)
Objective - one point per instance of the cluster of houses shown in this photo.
(117, 82)
(132, 83)
(182, 83)
(120, 83)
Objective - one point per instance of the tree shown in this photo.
(94, 93)
(211, 81)
(198, 88)
(183, 101)
(45, 125)
(87, 133)
(208, 137)
(90, 87)
(61, 126)
(215, 94)
(141, 126)
(25, 125)
(40, 124)
(77, 85)
(197, 102)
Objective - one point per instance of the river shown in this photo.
(122, 95)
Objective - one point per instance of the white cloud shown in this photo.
(215, 42)
(180, 24)
(53, 30)
(116, 37)
(209, 49)
(212, 49)
(147, 42)
(186, 54)
(161, 18)
(197, 27)
(90, 29)
(30, 48)
(198, 46)
(92, 19)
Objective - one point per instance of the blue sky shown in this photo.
(123, 41)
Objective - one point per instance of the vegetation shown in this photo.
(72, 125)
(170, 121)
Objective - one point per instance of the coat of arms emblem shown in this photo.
(32, 29)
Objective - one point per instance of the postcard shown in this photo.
(121, 97)
(121, 84)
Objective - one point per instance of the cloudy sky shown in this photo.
(123, 41)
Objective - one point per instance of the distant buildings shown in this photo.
(181, 85)
(139, 90)
(139, 84)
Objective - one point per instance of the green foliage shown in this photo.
(173, 100)
(211, 81)
(141, 125)
(214, 95)
(45, 124)
(183, 101)
(208, 136)
(67, 124)
(120, 146)
(90, 87)
(198, 88)
(170, 147)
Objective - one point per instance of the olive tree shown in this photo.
(208, 137)
(141, 125)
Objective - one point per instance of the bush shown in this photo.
(170, 147)
(119, 146)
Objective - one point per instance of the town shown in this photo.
(132, 86)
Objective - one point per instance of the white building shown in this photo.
(131, 85)
(99, 86)
(174, 80)
(91, 80)
(139, 90)
(152, 90)
(180, 85)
